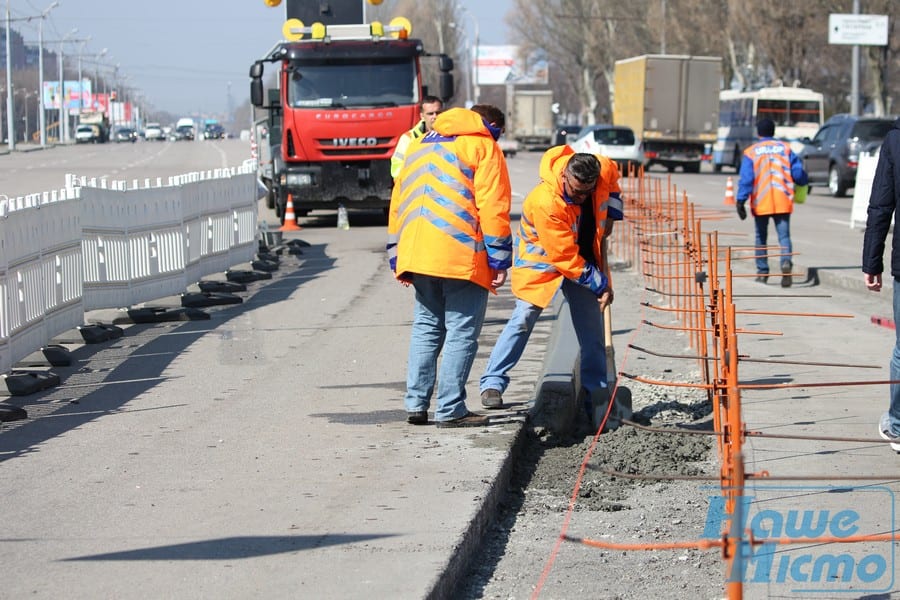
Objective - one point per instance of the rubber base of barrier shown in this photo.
(164, 315)
(264, 265)
(96, 333)
(8, 412)
(298, 243)
(226, 287)
(53, 355)
(195, 299)
(264, 255)
(57, 356)
(23, 384)
(242, 276)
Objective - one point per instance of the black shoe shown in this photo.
(468, 420)
(419, 417)
(762, 279)
(786, 279)
(491, 399)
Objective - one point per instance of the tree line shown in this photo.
(761, 43)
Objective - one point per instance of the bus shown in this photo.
(797, 112)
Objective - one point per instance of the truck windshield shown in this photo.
(343, 83)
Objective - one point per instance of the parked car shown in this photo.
(154, 132)
(832, 155)
(615, 141)
(213, 131)
(565, 133)
(125, 134)
(86, 134)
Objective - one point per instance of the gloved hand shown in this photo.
(741, 211)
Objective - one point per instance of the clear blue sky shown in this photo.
(183, 54)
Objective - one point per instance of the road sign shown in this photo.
(858, 30)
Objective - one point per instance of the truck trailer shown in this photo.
(344, 93)
(531, 118)
(672, 103)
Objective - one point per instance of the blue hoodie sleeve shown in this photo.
(745, 182)
(798, 174)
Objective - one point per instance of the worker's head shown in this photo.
(765, 127)
(580, 177)
(429, 109)
(493, 116)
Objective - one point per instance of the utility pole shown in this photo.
(10, 103)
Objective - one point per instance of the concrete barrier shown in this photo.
(96, 244)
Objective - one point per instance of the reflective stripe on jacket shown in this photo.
(450, 205)
(773, 185)
(399, 154)
(546, 247)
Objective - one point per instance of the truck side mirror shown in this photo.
(256, 84)
(446, 84)
(256, 92)
(445, 64)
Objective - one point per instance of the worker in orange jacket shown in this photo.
(560, 246)
(769, 172)
(448, 236)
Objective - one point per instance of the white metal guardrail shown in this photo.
(97, 245)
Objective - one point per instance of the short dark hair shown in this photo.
(584, 167)
(430, 100)
(491, 114)
(765, 127)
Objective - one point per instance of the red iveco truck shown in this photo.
(344, 93)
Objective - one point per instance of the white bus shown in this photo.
(797, 112)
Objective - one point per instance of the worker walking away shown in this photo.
(769, 172)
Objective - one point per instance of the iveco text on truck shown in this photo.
(344, 93)
(672, 103)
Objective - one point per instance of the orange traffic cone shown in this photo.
(290, 219)
(729, 192)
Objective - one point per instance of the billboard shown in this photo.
(73, 92)
(497, 65)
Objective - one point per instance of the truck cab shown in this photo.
(345, 94)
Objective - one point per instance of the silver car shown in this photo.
(615, 141)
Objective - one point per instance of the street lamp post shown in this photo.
(63, 116)
(473, 64)
(42, 117)
(10, 103)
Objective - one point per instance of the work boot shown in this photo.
(491, 399)
(762, 278)
(786, 279)
(467, 420)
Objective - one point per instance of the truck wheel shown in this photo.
(717, 168)
(692, 167)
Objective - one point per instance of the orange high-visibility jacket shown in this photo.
(449, 213)
(773, 185)
(546, 247)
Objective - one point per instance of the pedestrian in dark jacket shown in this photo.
(884, 203)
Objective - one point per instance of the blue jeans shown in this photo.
(783, 229)
(895, 365)
(587, 320)
(448, 317)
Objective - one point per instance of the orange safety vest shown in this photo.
(449, 214)
(546, 248)
(773, 185)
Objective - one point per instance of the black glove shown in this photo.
(741, 211)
